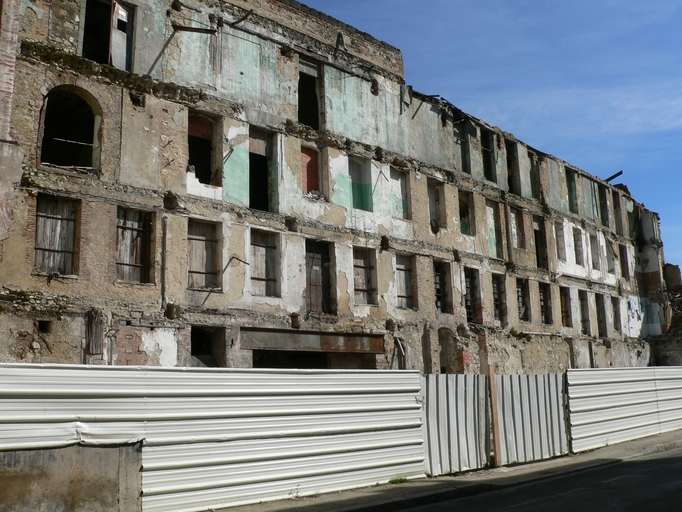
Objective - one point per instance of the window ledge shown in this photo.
(70, 170)
(130, 284)
(67, 277)
(207, 290)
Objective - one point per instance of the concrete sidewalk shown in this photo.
(392, 497)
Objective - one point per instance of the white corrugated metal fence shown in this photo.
(612, 405)
(457, 423)
(532, 417)
(217, 437)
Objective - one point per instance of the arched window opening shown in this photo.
(70, 131)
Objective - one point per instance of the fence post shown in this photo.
(497, 448)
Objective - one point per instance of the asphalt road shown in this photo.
(646, 484)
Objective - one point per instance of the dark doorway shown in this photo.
(208, 346)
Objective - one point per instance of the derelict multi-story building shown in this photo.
(251, 183)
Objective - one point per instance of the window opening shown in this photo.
(364, 276)
(591, 199)
(466, 214)
(441, 282)
(404, 281)
(45, 326)
(584, 313)
(264, 264)
(615, 305)
(436, 216)
(624, 265)
(545, 303)
(200, 137)
(572, 192)
(308, 97)
(488, 155)
(611, 257)
(401, 194)
(540, 243)
(578, 246)
(55, 244)
(513, 178)
(534, 175)
(472, 303)
(310, 168)
(518, 233)
(134, 254)
(604, 206)
(499, 299)
(318, 274)
(601, 315)
(594, 249)
(108, 33)
(565, 296)
(523, 299)
(70, 138)
(617, 213)
(560, 242)
(361, 182)
(260, 167)
(208, 346)
(203, 255)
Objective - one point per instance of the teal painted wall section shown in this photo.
(193, 64)
(342, 191)
(236, 177)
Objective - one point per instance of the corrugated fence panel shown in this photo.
(669, 394)
(532, 417)
(456, 423)
(216, 437)
(611, 405)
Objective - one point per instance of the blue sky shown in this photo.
(598, 84)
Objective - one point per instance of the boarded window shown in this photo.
(591, 199)
(499, 299)
(472, 298)
(541, 258)
(70, 137)
(264, 264)
(560, 241)
(466, 213)
(495, 247)
(523, 299)
(517, 230)
(361, 182)
(260, 170)
(572, 192)
(578, 246)
(200, 137)
(436, 206)
(400, 194)
(318, 277)
(310, 169)
(604, 206)
(442, 287)
(624, 264)
(364, 276)
(594, 249)
(404, 284)
(545, 303)
(488, 155)
(203, 254)
(611, 257)
(134, 254)
(308, 94)
(565, 295)
(584, 313)
(108, 33)
(55, 244)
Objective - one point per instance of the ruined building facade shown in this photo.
(251, 184)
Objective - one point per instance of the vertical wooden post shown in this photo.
(497, 448)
